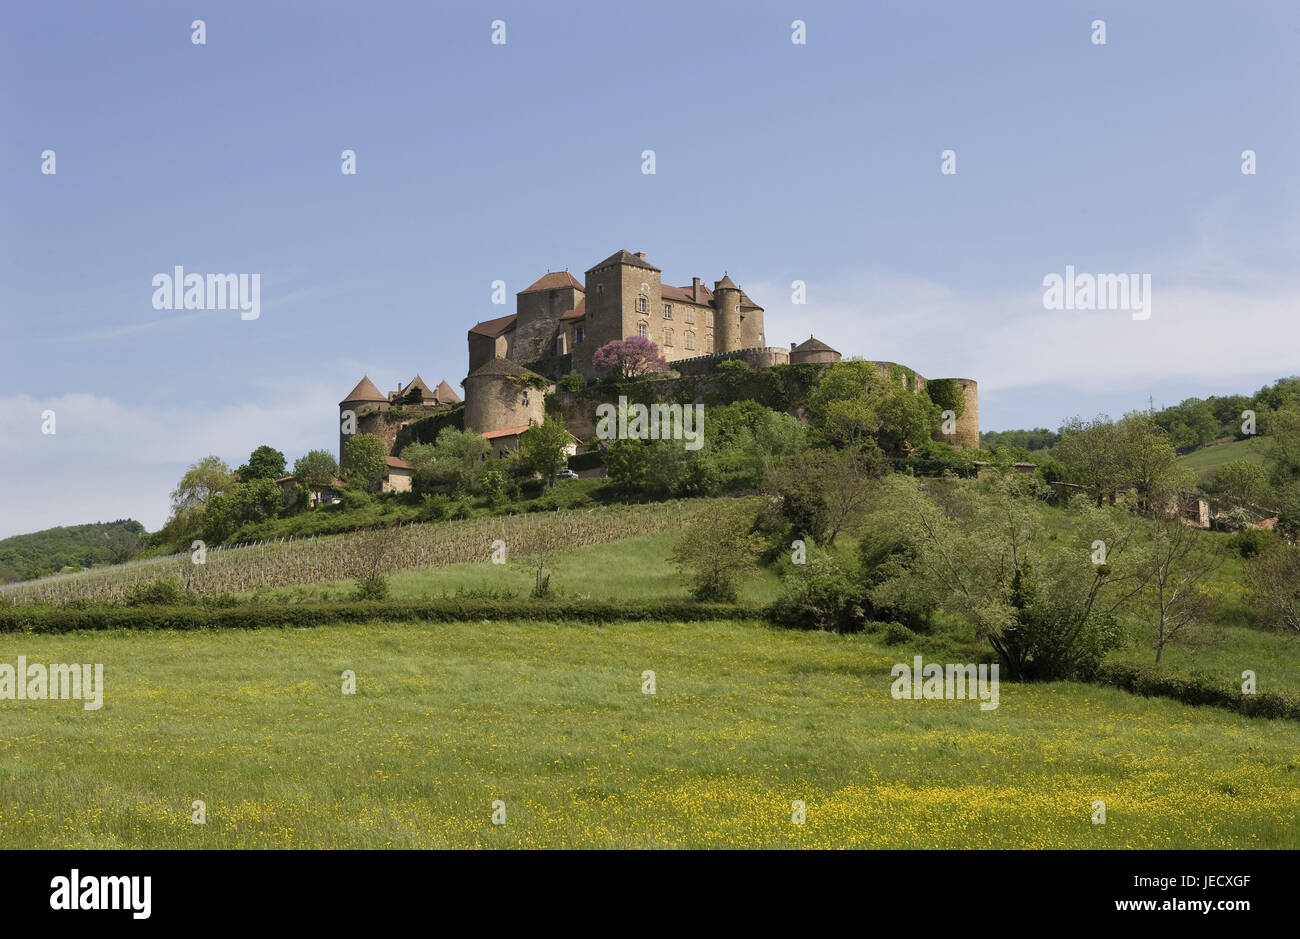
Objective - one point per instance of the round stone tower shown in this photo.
(812, 350)
(498, 395)
(967, 431)
(726, 319)
(364, 399)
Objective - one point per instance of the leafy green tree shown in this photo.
(1150, 463)
(263, 463)
(980, 552)
(365, 461)
(1092, 453)
(1240, 483)
(1175, 565)
(627, 464)
(542, 449)
(718, 551)
(854, 405)
(316, 469)
(1274, 581)
(821, 492)
(453, 463)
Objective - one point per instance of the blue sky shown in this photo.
(478, 162)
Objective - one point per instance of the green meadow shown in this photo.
(551, 721)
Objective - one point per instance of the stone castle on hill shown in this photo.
(558, 324)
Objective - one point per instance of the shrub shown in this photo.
(355, 499)
(819, 595)
(374, 587)
(161, 592)
(897, 634)
(718, 550)
(1252, 542)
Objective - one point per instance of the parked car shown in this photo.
(566, 474)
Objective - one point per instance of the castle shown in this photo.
(557, 326)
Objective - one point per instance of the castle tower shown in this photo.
(726, 320)
(538, 310)
(496, 398)
(364, 399)
(624, 297)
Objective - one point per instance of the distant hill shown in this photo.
(24, 557)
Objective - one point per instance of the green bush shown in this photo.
(374, 587)
(897, 634)
(1198, 692)
(819, 595)
(164, 591)
(1252, 542)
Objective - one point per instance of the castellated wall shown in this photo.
(758, 357)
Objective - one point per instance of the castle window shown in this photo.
(708, 318)
(600, 290)
(643, 304)
(668, 337)
(668, 311)
(577, 335)
(690, 315)
(525, 396)
(690, 339)
(642, 330)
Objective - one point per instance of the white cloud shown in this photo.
(111, 460)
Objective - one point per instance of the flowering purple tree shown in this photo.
(633, 357)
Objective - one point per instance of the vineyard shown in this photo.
(241, 568)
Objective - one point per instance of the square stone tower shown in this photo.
(624, 295)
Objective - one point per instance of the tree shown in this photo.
(627, 463)
(1177, 564)
(365, 461)
(1150, 463)
(1092, 454)
(821, 492)
(1048, 613)
(455, 462)
(854, 405)
(203, 480)
(1274, 581)
(263, 463)
(718, 550)
(1240, 483)
(634, 357)
(316, 469)
(542, 449)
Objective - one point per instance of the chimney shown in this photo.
(792, 347)
(640, 255)
(695, 290)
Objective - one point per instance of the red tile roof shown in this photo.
(577, 313)
(505, 432)
(398, 463)
(494, 328)
(364, 391)
(556, 280)
(685, 294)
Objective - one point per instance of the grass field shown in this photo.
(632, 569)
(551, 720)
(1207, 460)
